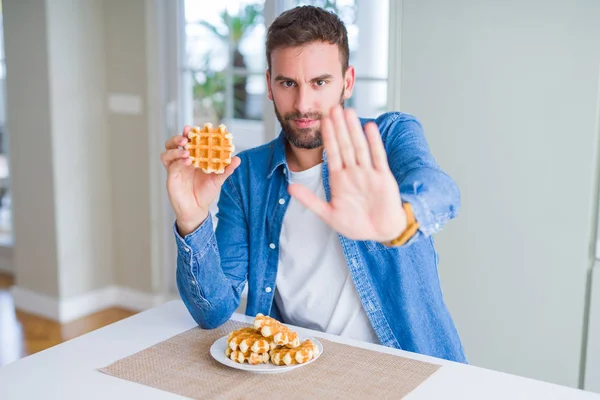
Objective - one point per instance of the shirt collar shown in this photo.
(278, 156)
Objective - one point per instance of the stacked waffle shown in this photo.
(269, 341)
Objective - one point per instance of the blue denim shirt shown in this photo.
(399, 287)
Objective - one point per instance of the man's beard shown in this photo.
(302, 138)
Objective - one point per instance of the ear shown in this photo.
(349, 79)
(269, 90)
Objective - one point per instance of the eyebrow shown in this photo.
(323, 77)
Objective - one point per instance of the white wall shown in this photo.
(80, 175)
(125, 37)
(592, 360)
(508, 95)
(58, 146)
(29, 122)
(82, 189)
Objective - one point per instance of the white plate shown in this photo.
(217, 350)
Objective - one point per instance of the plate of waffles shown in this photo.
(266, 347)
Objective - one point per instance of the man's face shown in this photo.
(304, 84)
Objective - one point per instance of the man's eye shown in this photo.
(321, 82)
(287, 84)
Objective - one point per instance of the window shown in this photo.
(224, 66)
(368, 36)
(224, 62)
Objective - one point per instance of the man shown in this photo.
(330, 224)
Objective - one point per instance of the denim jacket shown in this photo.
(399, 287)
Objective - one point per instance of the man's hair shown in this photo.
(302, 25)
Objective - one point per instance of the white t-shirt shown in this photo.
(314, 288)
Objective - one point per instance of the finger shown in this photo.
(179, 140)
(357, 136)
(177, 167)
(309, 200)
(377, 150)
(331, 146)
(175, 142)
(235, 162)
(343, 138)
(169, 156)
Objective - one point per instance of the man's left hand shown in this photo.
(365, 198)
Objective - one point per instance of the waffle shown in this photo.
(210, 149)
(268, 340)
(305, 352)
(249, 340)
(251, 357)
(275, 330)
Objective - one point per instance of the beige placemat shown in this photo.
(183, 365)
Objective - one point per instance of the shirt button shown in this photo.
(272, 246)
(284, 170)
(268, 289)
(437, 226)
(281, 201)
(187, 250)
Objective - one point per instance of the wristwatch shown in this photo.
(411, 228)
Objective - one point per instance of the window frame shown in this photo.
(250, 129)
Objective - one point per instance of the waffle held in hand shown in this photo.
(210, 149)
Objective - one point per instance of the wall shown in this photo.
(82, 190)
(29, 124)
(58, 146)
(80, 175)
(508, 95)
(125, 35)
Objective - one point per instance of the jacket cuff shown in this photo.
(199, 241)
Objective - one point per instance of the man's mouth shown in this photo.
(305, 122)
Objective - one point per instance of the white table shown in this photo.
(67, 370)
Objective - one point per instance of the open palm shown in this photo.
(365, 198)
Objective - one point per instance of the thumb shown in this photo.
(309, 200)
(235, 162)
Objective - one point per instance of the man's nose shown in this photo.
(304, 100)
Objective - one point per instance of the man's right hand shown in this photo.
(191, 191)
